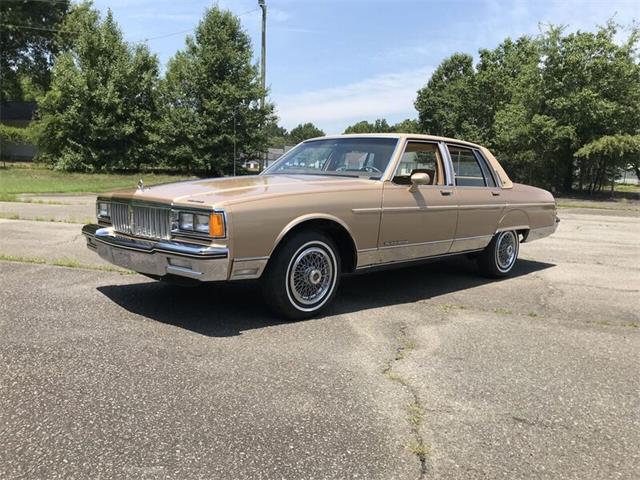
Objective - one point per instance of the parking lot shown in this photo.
(424, 372)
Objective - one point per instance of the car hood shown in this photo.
(219, 192)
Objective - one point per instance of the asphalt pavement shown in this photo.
(423, 372)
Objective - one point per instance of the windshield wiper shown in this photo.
(323, 174)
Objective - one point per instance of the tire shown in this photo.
(498, 259)
(303, 276)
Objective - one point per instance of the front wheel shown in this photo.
(303, 275)
(498, 259)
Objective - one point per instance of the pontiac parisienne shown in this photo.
(329, 206)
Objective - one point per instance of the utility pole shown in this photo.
(263, 65)
(263, 59)
(234, 143)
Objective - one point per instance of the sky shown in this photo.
(336, 62)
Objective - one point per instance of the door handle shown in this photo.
(495, 193)
(446, 192)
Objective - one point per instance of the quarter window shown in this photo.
(491, 181)
(466, 167)
(420, 157)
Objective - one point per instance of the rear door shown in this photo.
(480, 200)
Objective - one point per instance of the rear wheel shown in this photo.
(303, 275)
(498, 259)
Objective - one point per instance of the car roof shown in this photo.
(416, 136)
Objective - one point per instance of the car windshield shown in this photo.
(351, 157)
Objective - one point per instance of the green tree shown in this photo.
(277, 136)
(448, 104)
(408, 125)
(607, 156)
(100, 112)
(28, 43)
(379, 126)
(303, 132)
(211, 98)
(382, 126)
(537, 101)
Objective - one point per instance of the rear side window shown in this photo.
(466, 167)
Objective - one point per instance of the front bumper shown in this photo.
(159, 258)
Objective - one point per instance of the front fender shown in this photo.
(306, 218)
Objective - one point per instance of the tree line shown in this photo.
(559, 110)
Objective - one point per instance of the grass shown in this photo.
(416, 414)
(625, 187)
(502, 311)
(62, 262)
(15, 180)
(419, 449)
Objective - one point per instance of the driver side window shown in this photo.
(420, 157)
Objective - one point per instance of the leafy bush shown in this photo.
(15, 135)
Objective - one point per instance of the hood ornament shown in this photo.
(140, 185)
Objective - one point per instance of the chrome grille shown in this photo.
(142, 221)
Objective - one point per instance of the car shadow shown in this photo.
(228, 309)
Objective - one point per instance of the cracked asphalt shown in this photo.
(105, 375)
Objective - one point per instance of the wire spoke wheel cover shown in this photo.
(311, 275)
(506, 251)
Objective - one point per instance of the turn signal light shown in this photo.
(216, 225)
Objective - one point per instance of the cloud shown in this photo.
(387, 95)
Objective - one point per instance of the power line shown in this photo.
(55, 30)
(162, 36)
(185, 31)
(39, 1)
(38, 28)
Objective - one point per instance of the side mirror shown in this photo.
(418, 179)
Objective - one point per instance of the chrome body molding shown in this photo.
(494, 206)
(516, 228)
(408, 261)
(159, 258)
(403, 253)
(471, 243)
(539, 204)
(372, 257)
(247, 268)
(366, 210)
(424, 208)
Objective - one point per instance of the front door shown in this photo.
(480, 200)
(421, 223)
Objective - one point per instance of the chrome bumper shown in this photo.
(538, 233)
(158, 258)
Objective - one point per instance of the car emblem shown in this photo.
(140, 185)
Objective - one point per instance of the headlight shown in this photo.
(103, 209)
(201, 223)
(212, 225)
(186, 221)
